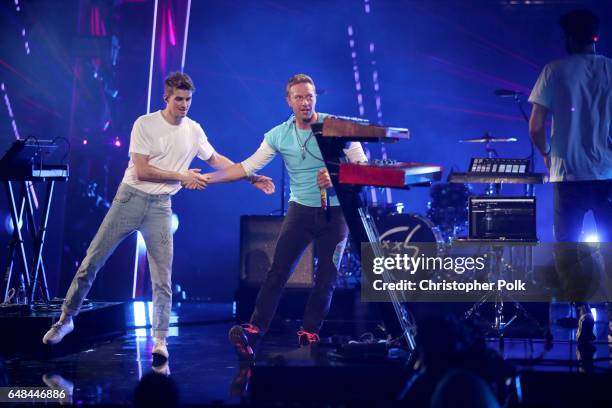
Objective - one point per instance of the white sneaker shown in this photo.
(57, 332)
(160, 348)
(57, 382)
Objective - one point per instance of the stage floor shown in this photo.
(205, 368)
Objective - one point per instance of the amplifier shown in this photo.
(502, 218)
(258, 236)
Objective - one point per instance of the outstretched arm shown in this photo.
(146, 172)
(228, 171)
(236, 171)
(233, 172)
(217, 161)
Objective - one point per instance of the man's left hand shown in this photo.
(264, 184)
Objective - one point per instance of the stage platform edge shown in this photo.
(23, 334)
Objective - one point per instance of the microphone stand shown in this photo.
(282, 210)
(283, 187)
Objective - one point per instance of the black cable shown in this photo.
(532, 152)
(320, 159)
(305, 147)
(37, 146)
(65, 139)
(310, 153)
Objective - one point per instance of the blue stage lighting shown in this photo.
(592, 237)
(8, 224)
(142, 246)
(175, 223)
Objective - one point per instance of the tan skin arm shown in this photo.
(228, 171)
(231, 173)
(146, 172)
(537, 131)
(218, 161)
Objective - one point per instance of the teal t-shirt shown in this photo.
(302, 164)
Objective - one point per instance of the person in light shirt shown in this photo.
(577, 92)
(162, 147)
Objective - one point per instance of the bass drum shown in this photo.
(399, 233)
(407, 228)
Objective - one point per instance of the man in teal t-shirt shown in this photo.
(310, 217)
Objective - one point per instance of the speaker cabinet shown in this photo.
(258, 236)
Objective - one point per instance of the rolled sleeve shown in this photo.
(355, 153)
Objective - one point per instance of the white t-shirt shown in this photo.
(169, 147)
(578, 91)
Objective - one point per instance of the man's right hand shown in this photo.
(323, 179)
(193, 180)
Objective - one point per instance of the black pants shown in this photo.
(572, 200)
(301, 226)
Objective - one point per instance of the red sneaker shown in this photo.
(306, 338)
(244, 338)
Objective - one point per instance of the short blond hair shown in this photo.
(299, 79)
(177, 80)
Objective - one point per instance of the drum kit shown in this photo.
(451, 207)
(445, 221)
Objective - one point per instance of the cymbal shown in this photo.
(487, 138)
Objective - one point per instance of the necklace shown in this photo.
(302, 145)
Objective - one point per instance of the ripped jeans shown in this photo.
(132, 210)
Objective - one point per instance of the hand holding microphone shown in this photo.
(324, 182)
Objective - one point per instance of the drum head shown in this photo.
(407, 228)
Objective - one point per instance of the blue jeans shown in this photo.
(132, 210)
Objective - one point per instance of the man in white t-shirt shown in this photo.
(162, 146)
(577, 91)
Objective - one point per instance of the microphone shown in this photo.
(507, 93)
(324, 199)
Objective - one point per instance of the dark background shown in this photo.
(438, 63)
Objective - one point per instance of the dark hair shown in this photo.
(156, 390)
(299, 79)
(177, 80)
(582, 25)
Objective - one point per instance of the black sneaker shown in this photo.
(306, 338)
(244, 338)
(586, 324)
